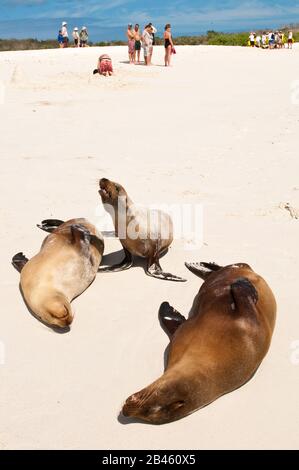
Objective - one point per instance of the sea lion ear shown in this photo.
(117, 188)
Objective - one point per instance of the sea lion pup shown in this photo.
(216, 350)
(142, 232)
(65, 266)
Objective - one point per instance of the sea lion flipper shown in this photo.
(211, 266)
(50, 225)
(126, 263)
(154, 270)
(170, 319)
(245, 295)
(202, 270)
(19, 261)
(97, 242)
(159, 274)
(80, 233)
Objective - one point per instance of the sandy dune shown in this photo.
(219, 129)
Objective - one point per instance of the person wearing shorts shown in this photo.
(290, 40)
(137, 44)
(76, 37)
(251, 39)
(131, 43)
(153, 31)
(147, 44)
(64, 34)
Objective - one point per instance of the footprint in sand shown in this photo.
(294, 212)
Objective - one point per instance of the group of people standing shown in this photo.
(271, 40)
(80, 38)
(146, 41)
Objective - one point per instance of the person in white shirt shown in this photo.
(290, 40)
(153, 32)
(258, 41)
(76, 37)
(251, 39)
(147, 43)
(64, 34)
(264, 40)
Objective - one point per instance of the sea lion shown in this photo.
(66, 265)
(216, 350)
(143, 232)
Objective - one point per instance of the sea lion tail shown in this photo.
(19, 261)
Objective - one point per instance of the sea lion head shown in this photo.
(166, 400)
(56, 313)
(110, 192)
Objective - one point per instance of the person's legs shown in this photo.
(145, 55)
(168, 56)
(151, 55)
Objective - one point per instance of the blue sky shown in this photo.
(106, 19)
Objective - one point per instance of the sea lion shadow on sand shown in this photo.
(116, 256)
(131, 420)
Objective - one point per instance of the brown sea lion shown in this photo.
(216, 350)
(65, 266)
(143, 232)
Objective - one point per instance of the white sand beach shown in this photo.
(219, 128)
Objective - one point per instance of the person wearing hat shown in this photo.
(76, 37)
(153, 31)
(290, 40)
(64, 34)
(83, 37)
(147, 44)
(104, 66)
(131, 43)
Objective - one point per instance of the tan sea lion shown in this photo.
(216, 350)
(143, 232)
(65, 266)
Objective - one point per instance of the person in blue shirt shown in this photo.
(60, 39)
